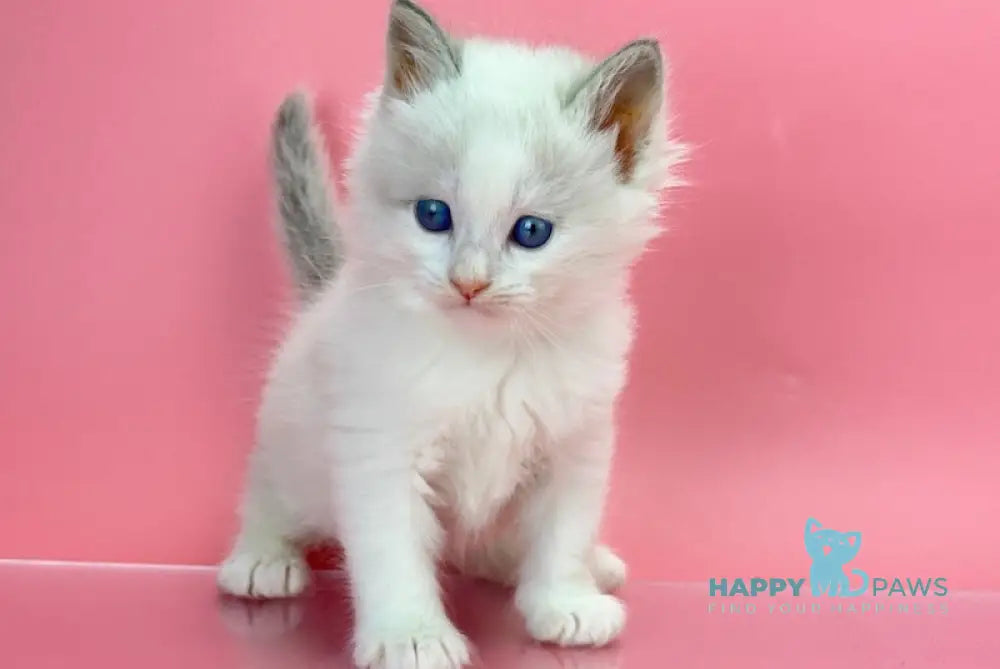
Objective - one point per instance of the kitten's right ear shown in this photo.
(812, 525)
(418, 51)
(624, 95)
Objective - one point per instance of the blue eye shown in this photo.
(531, 232)
(433, 215)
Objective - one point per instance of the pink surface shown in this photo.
(818, 334)
(109, 619)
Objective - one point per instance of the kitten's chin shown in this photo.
(475, 315)
(473, 310)
(480, 312)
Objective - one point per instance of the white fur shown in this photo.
(411, 426)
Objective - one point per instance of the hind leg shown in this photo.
(608, 569)
(266, 561)
(497, 561)
(500, 561)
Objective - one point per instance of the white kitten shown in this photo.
(450, 393)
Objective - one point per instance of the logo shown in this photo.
(830, 550)
(832, 576)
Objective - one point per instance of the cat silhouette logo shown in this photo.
(830, 551)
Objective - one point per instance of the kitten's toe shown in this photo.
(257, 576)
(426, 645)
(572, 616)
(608, 569)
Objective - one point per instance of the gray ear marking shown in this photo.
(624, 94)
(418, 51)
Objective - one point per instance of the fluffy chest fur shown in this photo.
(485, 414)
(496, 442)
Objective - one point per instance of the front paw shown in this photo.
(416, 644)
(571, 616)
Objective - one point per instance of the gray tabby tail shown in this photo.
(302, 180)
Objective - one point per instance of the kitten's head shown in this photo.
(494, 180)
(830, 545)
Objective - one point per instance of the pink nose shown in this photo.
(470, 288)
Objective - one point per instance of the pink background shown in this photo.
(819, 334)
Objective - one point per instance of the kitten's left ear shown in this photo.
(853, 538)
(624, 95)
(418, 51)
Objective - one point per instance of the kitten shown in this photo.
(830, 551)
(447, 391)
